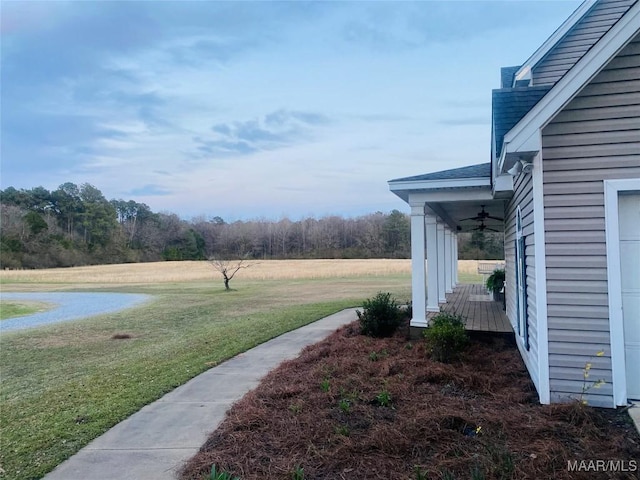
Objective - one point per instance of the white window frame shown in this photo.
(521, 281)
(612, 189)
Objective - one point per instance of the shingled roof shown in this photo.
(506, 76)
(509, 105)
(472, 171)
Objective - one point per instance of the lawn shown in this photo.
(19, 309)
(65, 384)
(360, 408)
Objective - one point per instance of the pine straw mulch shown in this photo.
(321, 412)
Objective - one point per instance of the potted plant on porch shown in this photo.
(495, 284)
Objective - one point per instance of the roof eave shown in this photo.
(402, 188)
(397, 185)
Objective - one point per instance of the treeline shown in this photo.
(76, 225)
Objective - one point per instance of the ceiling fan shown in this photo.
(482, 227)
(482, 216)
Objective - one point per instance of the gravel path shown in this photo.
(69, 306)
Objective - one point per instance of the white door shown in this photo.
(629, 229)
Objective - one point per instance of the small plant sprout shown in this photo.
(221, 475)
(295, 408)
(447, 475)
(375, 356)
(477, 473)
(345, 405)
(325, 385)
(587, 384)
(298, 473)
(384, 398)
(342, 430)
(420, 475)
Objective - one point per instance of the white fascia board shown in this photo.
(433, 184)
(451, 196)
(503, 155)
(503, 183)
(551, 42)
(519, 138)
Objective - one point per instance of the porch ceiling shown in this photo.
(463, 215)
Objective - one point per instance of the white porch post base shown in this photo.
(418, 266)
(418, 323)
(432, 264)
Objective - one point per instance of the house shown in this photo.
(563, 184)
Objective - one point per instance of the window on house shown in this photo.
(521, 282)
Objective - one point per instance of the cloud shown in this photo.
(382, 117)
(324, 100)
(480, 120)
(383, 27)
(150, 190)
(275, 130)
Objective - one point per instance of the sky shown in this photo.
(249, 110)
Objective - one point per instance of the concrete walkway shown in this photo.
(154, 443)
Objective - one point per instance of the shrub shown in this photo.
(446, 336)
(381, 316)
(409, 309)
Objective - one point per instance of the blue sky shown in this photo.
(248, 110)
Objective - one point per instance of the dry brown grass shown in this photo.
(176, 272)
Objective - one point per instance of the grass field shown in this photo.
(193, 271)
(17, 309)
(65, 384)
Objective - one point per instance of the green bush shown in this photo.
(446, 336)
(381, 316)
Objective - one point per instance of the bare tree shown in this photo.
(228, 268)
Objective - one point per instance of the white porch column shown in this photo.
(441, 264)
(455, 259)
(448, 255)
(432, 264)
(418, 270)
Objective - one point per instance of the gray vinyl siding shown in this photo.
(523, 197)
(595, 137)
(579, 40)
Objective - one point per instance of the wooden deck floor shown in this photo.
(474, 303)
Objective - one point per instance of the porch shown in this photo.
(443, 205)
(474, 303)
